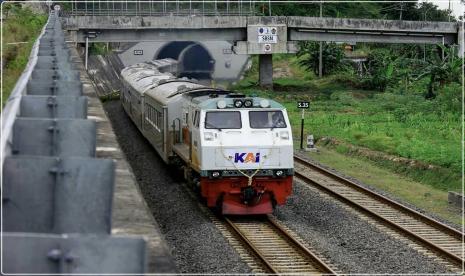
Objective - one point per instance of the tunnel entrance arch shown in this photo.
(195, 61)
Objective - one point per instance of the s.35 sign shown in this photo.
(305, 105)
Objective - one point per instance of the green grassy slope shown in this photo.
(20, 25)
(402, 125)
(393, 125)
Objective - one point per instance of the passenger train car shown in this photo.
(237, 150)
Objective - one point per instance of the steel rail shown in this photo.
(285, 236)
(249, 244)
(324, 267)
(397, 206)
(384, 199)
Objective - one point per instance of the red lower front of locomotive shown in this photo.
(234, 195)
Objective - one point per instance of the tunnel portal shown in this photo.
(195, 61)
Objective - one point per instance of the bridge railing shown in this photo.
(153, 8)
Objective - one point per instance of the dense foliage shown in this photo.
(376, 10)
(332, 56)
(398, 69)
(20, 25)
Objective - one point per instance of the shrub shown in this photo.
(332, 57)
(450, 98)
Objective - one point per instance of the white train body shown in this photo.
(243, 143)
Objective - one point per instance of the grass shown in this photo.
(403, 125)
(20, 25)
(99, 48)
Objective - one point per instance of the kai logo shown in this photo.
(247, 157)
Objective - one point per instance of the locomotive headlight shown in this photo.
(279, 173)
(215, 174)
(284, 135)
(208, 136)
(248, 103)
(237, 103)
(264, 103)
(221, 104)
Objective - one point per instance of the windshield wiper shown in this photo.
(212, 126)
(278, 125)
(275, 125)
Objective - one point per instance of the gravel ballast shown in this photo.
(198, 246)
(353, 245)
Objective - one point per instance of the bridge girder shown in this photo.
(234, 28)
(374, 37)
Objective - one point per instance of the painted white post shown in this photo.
(87, 51)
(461, 41)
(320, 57)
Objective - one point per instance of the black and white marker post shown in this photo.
(303, 106)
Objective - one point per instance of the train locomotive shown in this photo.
(237, 150)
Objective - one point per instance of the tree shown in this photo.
(441, 71)
(332, 57)
(380, 69)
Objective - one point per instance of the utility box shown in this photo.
(455, 199)
(310, 143)
(266, 38)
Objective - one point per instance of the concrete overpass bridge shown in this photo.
(263, 35)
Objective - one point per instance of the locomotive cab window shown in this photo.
(223, 120)
(267, 119)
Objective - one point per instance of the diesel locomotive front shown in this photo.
(237, 150)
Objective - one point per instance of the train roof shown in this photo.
(211, 101)
(155, 80)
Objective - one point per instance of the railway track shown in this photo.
(440, 239)
(266, 246)
(275, 247)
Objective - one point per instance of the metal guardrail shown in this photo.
(56, 196)
(178, 7)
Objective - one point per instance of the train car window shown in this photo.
(267, 119)
(196, 119)
(223, 119)
(159, 119)
(153, 117)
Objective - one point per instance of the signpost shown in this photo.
(267, 35)
(303, 106)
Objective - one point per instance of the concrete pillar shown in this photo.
(461, 41)
(265, 72)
